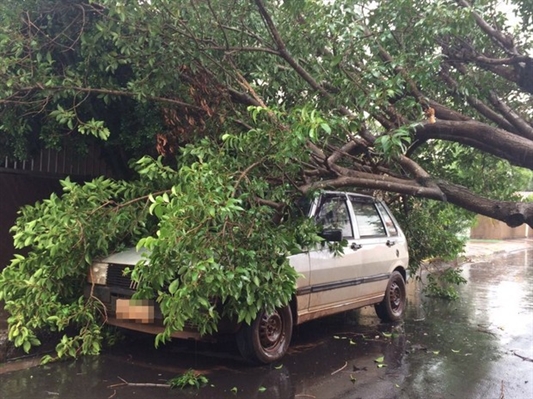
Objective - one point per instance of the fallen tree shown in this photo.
(250, 105)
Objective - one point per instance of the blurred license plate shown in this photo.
(139, 310)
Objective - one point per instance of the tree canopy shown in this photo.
(358, 79)
(251, 104)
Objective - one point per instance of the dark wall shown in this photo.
(16, 190)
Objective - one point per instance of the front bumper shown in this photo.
(148, 317)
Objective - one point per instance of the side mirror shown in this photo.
(332, 235)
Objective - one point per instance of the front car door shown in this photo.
(333, 277)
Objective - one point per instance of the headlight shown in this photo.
(98, 273)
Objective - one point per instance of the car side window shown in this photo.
(389, 224)
(334, 215)
(368, 219)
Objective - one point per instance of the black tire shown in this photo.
(392, 308)
(267, 339)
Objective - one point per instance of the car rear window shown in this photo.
(391, 227)
(368, 220)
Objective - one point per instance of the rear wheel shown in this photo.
(267, 339)
(392, 308)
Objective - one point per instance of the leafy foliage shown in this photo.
(190, 379)
(208, 234)
(443, 284)
(42, 288)
(433, 230)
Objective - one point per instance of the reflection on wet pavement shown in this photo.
(476, 347)
(470, 346)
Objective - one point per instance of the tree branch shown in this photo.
(407, 187)
(475, 103)
(506, 42)
(512, 213)
(521, 126)
(517, 150)
(284, 53)
(92, 90)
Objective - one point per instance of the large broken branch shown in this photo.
(512, 213)
(515, 149)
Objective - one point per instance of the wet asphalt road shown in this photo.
(480, 346)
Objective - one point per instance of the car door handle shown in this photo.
(355, 246)
(390, 243)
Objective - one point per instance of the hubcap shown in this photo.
(270, 330)
(395, 297)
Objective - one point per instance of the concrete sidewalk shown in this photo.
(475, 250)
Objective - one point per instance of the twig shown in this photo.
(342, 368)
(137, 384)
(304, 395)
(502, 393)
(486, 332)
(522, 357)
(122, 384)
(147, 384)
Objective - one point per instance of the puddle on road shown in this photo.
(328, 359)
(462, 349)
(468, 348)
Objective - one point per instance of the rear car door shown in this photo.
(377, 238)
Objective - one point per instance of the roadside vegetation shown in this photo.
(217, 116)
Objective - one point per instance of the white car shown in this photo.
(371, 271)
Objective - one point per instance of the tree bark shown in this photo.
(515, 149)
(512, 213)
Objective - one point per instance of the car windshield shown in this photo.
(302, 207)
(299, 209)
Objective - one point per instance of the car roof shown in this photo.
(332, 192)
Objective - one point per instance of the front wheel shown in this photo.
(267, 339)
(392, 308)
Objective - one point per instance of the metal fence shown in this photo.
(24, 182)
(65, 162)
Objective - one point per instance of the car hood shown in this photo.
(129, 256)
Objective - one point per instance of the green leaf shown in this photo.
(26, 346)
(173, 287)
(326, 128)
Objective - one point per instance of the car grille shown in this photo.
(116, 277)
